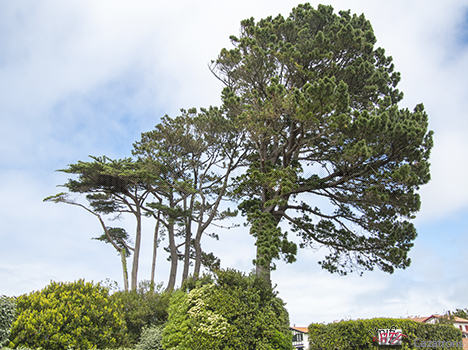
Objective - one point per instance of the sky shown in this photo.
(80, 78)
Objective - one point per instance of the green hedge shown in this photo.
(358, 334)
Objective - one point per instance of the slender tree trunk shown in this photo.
(174, 258)
(155, 250)
(198, 253)
(136, 252)
(188, 239)
(122, 251)
(123, 257)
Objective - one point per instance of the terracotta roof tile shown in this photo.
(460, 320)
(301, 329)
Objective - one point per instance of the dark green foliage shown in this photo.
(318, 106)
(151, 338)
(77, 314)
(231, 311)
(359, 334)
(23, 348)
(463, 313)
(119, 236)
(7, 315)
(112, 187)
(144, 307)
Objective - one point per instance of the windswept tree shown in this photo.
(112, 187)
(318, 104)
(111, 235)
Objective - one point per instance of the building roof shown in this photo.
(419, 319)
(301, 329)
(425, 319)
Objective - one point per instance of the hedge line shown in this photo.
(359, 334)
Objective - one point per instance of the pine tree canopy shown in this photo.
(318, 105)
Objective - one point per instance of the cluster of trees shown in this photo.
(179, 175)
(310, 111)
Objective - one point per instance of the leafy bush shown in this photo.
(151, 338)
(144, 307)
(78, 315)
(7, 315)
(21, 348)
(358, 334)
(230, 312)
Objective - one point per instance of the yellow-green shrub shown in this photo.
(78, 315)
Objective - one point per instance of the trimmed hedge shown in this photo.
(358, 334)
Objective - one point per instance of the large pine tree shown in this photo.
(319, 105)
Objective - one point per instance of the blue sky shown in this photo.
(81, 78)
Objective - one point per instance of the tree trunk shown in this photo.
(185, 273)
(188, 239)
(263, 271)
(174, 258)
(123, 252)
(198, 253)
(136, 252)
(155, 250)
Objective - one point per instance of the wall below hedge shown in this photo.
(358, 334)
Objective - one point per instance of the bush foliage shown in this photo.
(359, 334)
(143, 308)
(151, 338)
(78, 315)
(7, 315)
(229, 311)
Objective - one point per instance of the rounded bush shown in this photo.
(78, 315)
(231, 311)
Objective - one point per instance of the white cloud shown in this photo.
(79, 78)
